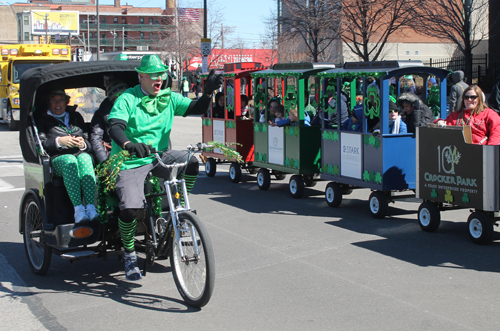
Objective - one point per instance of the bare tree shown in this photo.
(368, 24)
(461, 22)
(269, 40)
(315, 22)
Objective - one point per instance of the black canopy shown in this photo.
(37, 82)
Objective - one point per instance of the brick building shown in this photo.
(122, 26)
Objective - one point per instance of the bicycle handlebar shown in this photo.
(192, 149)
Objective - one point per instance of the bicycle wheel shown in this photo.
(194, 274)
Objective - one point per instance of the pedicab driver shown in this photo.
(141, 119)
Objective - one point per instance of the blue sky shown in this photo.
(246, 17)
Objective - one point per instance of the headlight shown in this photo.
(79, 100)
(16, 101)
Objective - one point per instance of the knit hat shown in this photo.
(432, 80)
(151, 64)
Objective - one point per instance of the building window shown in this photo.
(91, 35)
(141, 20)
(150, 20)
(103, 20)
(142, 35)
(26, 20)
(26, 36)
(103, 35)
(151, 36)
(407, 52)
(115, 20)
(156, 21)
(123, 20)
(416, 52)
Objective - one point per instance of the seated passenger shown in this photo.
(353, 123)
(310, 110)
(416, 113)
(484, 121)
(344, 113)
(245, 110)
(396, 124)
(293, 119)
(271, 108)
(218, 108)
(279, 115)
(99, 137)
(64, 137)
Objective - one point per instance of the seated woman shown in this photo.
(64, 137)
(484, 121)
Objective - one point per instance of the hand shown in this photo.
(140, 149)
(71, 142)
(214, 82)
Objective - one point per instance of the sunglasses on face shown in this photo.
(162, 75)
(471, 97)
(392, 111)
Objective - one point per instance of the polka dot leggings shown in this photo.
(78, 175)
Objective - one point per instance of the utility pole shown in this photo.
(205, 57)
(123, 38)
(46, 29)
(114, 37)
(98, 32)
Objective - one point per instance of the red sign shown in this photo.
(221, 56)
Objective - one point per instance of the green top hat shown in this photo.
(151, 64)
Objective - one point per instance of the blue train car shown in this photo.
(366, 154)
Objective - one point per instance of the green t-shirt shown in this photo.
(310, 110)
(143, 127)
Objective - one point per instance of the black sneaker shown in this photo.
(132, 271)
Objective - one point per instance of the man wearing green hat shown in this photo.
(141, 121)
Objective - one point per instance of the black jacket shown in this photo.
(100, 130)
(49, 128)
(421, 114)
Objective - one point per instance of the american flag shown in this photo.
(189, 14)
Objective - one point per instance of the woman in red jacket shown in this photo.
(484, 121)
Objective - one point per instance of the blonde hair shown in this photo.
(481, 103)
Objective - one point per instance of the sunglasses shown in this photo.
(392, 111)
(471, 97)
(155, 75)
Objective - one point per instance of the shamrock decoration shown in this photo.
(229, 98)
(260, 97)
(366, 176)
(465, 198)
(433, 101)
(336, 171)
(378, 178)
(448, 197)
(372, 103)
(335, 136)
(291, 97)
(434, 194)
(296, 163)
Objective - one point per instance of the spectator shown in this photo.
(494, 99)
(218, 108)
(456, 91)
(185, 87)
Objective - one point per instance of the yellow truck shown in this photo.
(14, 61)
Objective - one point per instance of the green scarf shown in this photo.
(155, 104)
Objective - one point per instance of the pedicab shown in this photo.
(232, 128)
(292, 149)
(383, 162)
(452, 173)
(46, 214)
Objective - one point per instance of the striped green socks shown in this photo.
(127, 231)
(189, 185)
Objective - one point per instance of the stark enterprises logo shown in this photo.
(275, 141)
(452, 157)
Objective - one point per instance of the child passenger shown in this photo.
(353, 123)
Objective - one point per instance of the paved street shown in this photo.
(281, 264)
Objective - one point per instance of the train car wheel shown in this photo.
(378, 204)
(296, 186)
(480, 228)
(263, 179)
(235, 172)
(429, 216)
(210, 167)
(333, 194)
(38, 254)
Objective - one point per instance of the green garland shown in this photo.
(351, 74)
(229, 153)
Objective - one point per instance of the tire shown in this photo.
(279, 175)
(333, 194)
(480, 228)
(210, 167)
(296, 186)
(38, 254)
(429, 216)
(263, 179)
(13, 125)
(235, 172)
(194, 279)
(378, 204)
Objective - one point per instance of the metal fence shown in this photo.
(479, 65)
